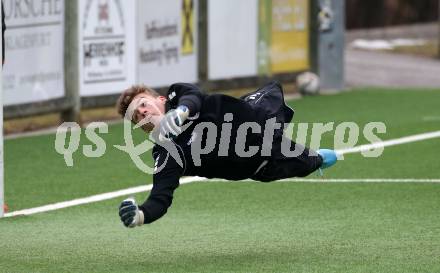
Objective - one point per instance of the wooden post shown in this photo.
(2, 195)
(71, 62)
(438, 39)
(202, 59)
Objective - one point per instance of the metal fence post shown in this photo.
(71, 62)
(331, 30)
(313, 40)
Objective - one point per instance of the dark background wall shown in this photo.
(379, 13)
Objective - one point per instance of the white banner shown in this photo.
(167, 42)
(34, 42)
(107, 46)
(232, 39)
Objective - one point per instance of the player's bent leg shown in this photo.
(280, 166)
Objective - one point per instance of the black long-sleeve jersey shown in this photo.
(227, 114)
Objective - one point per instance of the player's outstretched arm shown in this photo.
(131, 215)
(157, 204)
(165, 182)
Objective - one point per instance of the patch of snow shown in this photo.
(385, 44)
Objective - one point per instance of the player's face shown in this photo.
(149, 110)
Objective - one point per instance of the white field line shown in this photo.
(342, 180)
(391, 142)
(94, 198)
(186, 180)
(431, 118)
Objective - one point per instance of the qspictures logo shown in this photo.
(204, 139)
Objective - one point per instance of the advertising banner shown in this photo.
(257, 37)
(107, 46)
(167, 42)
(285, 48)
(34, 43)
(232, 39)
(290, 36)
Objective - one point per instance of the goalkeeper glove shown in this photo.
(131, 215)
(171, 124)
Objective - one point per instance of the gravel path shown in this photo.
(372, 68)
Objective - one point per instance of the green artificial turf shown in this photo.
(35, 174)
(403, 112)
(238, 227)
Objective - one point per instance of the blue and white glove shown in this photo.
(171, 124)
(131, 215)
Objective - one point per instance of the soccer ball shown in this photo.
(308, 83)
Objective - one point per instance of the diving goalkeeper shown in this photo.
(244, 135)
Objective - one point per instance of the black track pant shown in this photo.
(280, 166)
